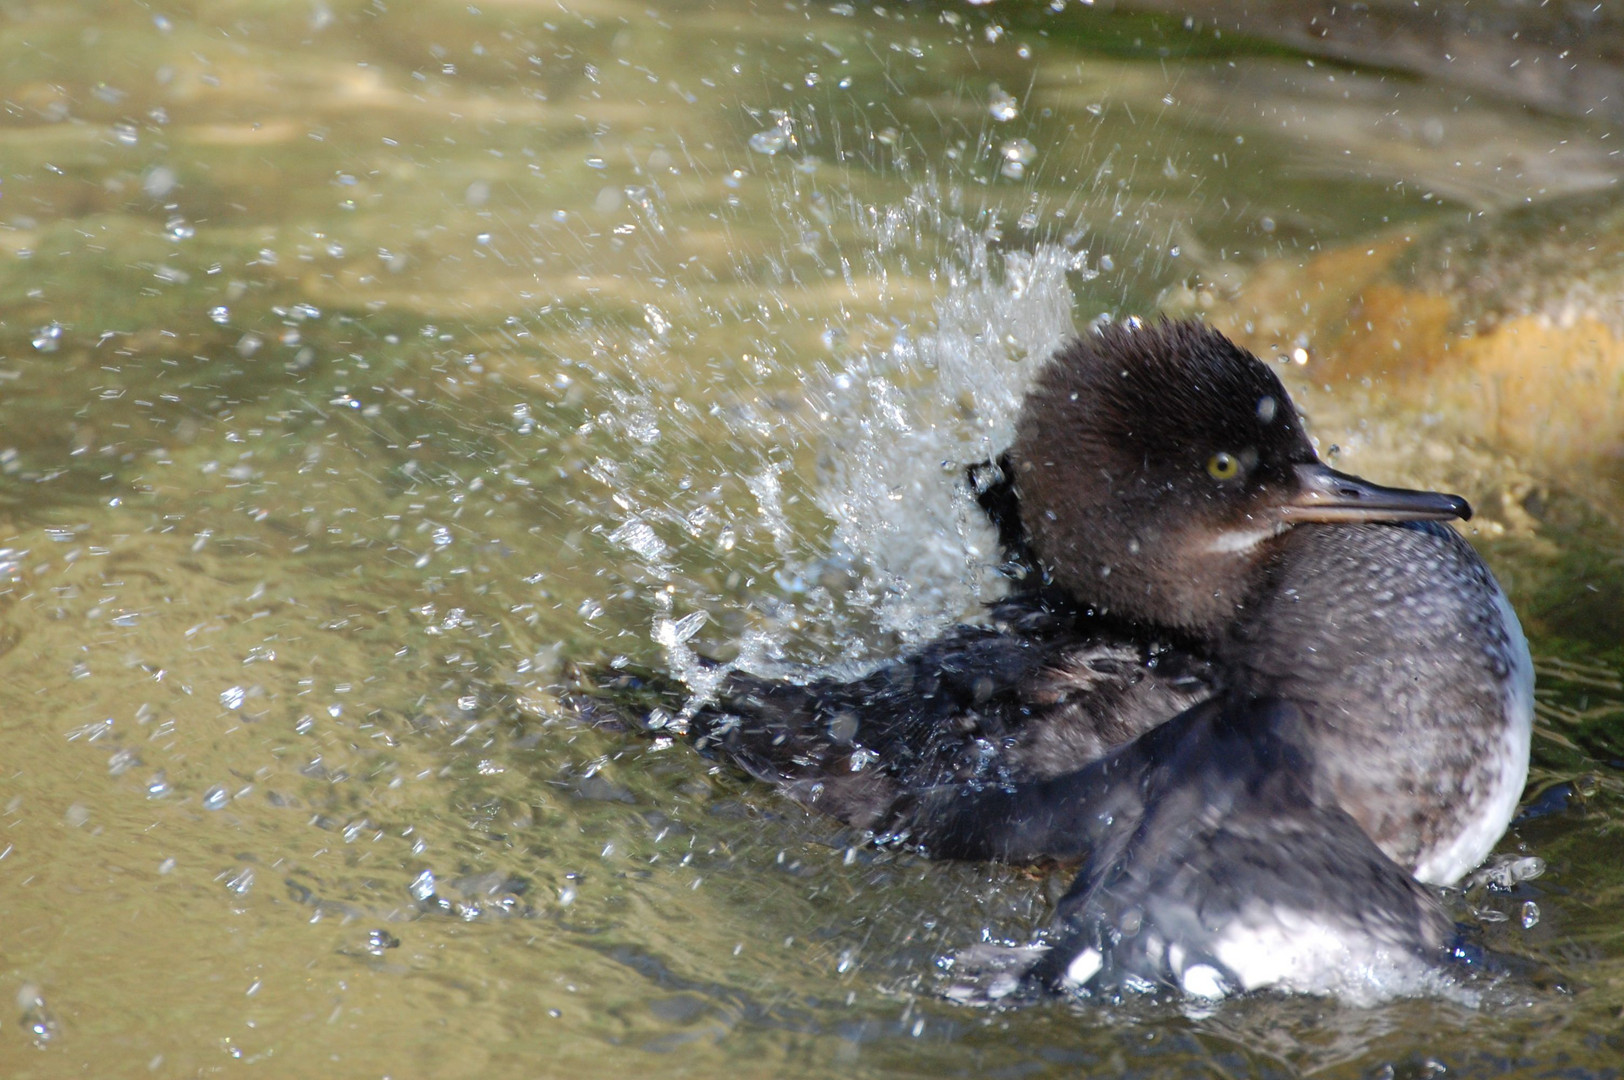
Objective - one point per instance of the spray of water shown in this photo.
(898, 550)
(910, 419)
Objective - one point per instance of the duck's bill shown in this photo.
(1323, 494)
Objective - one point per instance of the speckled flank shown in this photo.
(1498, 804)
(1415, 678)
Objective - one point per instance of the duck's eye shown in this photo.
(1223, 466)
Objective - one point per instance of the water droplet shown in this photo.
(48, 338)
(1526, 868)
(1002, 104)
(37, 1020)
(671, 634)
(1017, 154)
(656, 320)
(379, 941)
(640, 538)
(422, 886)
(159, 181)
(158, 786)
(774, 139)
(216, 797)
(1530, 914)
(441, 537)
(1502, 875)
(242, 881)
(232, 697)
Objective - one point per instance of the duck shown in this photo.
(1268, 706)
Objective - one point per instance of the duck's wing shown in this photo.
(1027, 698)
(1036, 693)
(1209, 865)
(851, 748)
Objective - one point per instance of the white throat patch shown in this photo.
(1234, 540)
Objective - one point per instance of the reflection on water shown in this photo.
(362, 363)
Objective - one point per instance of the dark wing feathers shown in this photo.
(1203, 838)
(1034, 696)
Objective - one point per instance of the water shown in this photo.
(364, 364)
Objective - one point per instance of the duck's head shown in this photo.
(1155, 463)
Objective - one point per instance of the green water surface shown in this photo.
(344, 347)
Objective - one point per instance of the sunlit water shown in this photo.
(363, 364)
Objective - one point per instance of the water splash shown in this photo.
(878, 443)
(915, 416)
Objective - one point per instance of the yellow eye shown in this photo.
(1223, 466)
